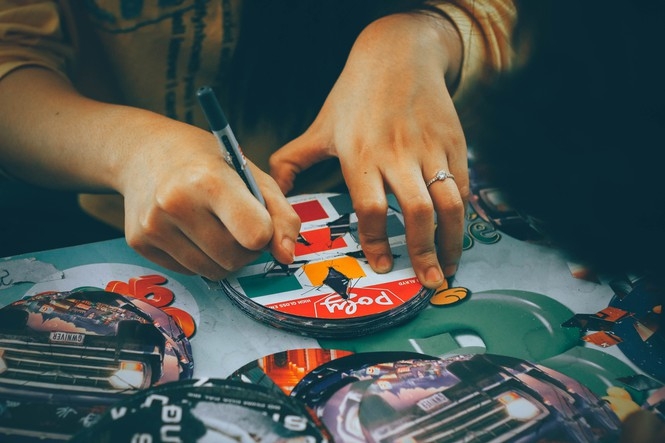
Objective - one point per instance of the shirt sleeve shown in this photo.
(31, 34)
(486, 29)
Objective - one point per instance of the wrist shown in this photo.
(422, 33)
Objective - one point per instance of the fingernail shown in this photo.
(449, 270)
(289, 245)
(433, 275)
(383, 264)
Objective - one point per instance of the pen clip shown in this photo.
(228, 144)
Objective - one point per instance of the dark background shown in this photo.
(34, 219)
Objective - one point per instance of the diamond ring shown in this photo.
(440, 176)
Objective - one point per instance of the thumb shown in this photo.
(294, 157)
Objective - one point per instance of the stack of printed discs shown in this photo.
(391, 397)
(330, 291)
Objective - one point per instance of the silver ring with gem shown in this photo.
(440, 176)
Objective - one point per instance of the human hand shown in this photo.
(642, 427)
(391, 122)
(187, 210)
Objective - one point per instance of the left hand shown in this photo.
(391, 122)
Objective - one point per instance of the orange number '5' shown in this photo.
(149, 288)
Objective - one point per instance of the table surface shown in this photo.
(520, 295)
(524, 300)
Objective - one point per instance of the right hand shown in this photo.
(642, 427)
(187, 210)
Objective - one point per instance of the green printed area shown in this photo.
(394, 227)
(265, 257)
(595, 369)
(513, 323)
(259, 285)
(342, 204)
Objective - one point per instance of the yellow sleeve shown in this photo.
(31, 34)
(486, 29)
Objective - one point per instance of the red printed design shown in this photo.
(149, 289)
(310, 211)
(361, 302)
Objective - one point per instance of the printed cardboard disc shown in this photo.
(641, 330)
(281, 371)
(482, 397)
(330, 289)
(206, 411)
(320, 384)
(340, 413)
(66, 356)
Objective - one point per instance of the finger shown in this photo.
(216, 243)
(286, 222)
(418, 210)
(163, 259)
(175, 251)
(186, 230)
(449, 206)
(253, 226)
(458, 162)
(296, 156)
(239, 212)
(370, 205)
(642, 427)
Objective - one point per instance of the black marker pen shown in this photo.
(227, 141)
